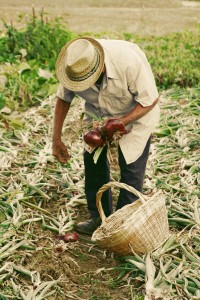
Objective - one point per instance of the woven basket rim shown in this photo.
(124, 224)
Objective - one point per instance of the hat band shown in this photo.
(88, 74)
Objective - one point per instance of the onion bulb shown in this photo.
(112, 126)
(68, 237)
(93, 138)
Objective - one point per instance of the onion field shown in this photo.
(41, 198)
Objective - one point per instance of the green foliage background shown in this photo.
(174, 59)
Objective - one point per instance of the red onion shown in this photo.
(68, 237)
(71, 237)
(97, 137)
(93, 138)
(111, 126)
(59, 237)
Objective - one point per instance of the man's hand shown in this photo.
(60, 151)
(112, 126)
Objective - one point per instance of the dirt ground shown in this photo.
(114, 16)
(82, 269)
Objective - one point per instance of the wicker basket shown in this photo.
(140, 227)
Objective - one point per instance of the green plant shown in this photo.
(174, 57)
(30, 55)
(28, 52)
(42, 40)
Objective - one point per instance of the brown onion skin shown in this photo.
(93, 138)
(111, 126)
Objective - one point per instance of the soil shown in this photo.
(114, 16)
(83, 270)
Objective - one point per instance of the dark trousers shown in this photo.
(98, 174)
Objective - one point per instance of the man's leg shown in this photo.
(133, 175)
(96, 175)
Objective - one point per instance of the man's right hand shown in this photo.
(60, 151)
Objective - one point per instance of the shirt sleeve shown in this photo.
(141, 82)
(65, 94)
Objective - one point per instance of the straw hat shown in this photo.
(80, 63)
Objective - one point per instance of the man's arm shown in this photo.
(137, 112)
(59, 148)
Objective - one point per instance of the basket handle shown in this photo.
(119, 185)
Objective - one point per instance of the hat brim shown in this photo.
(78, 86)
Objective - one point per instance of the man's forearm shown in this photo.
(138, 112)
(61, 110)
